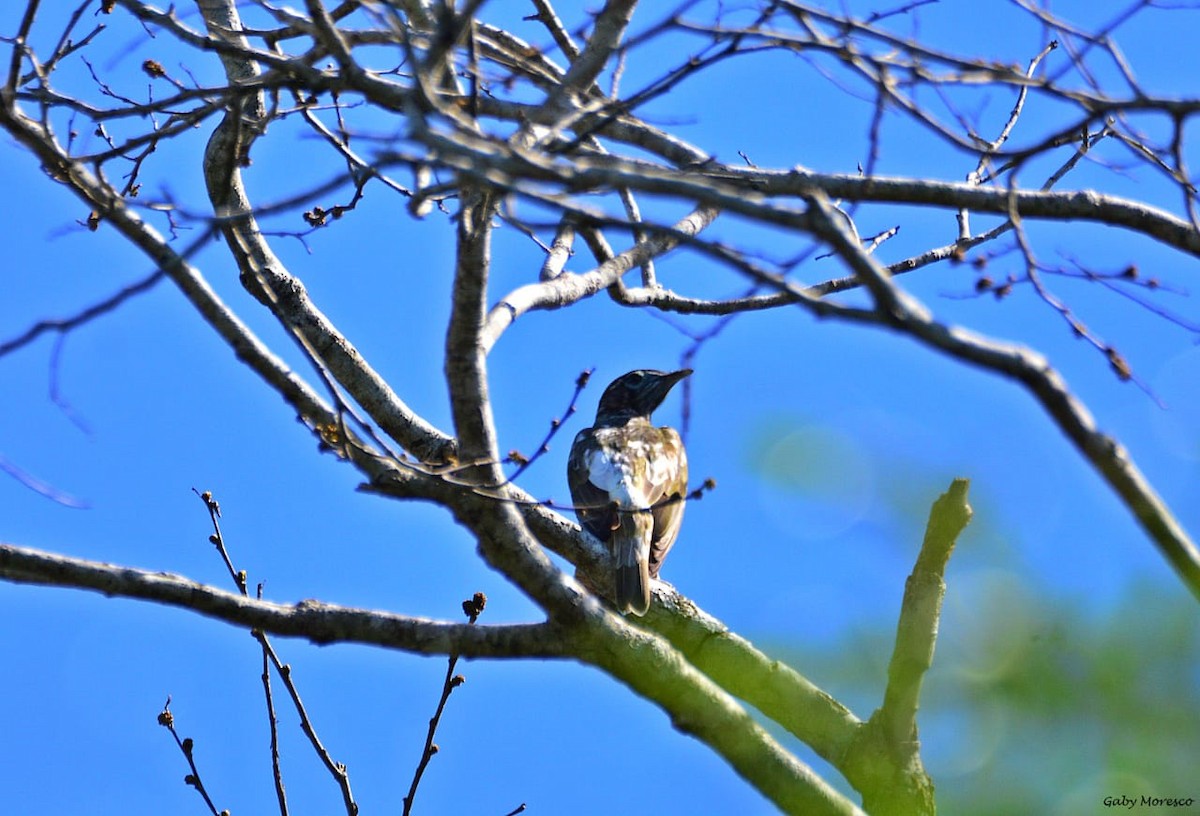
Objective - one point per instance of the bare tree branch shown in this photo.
(1107, 456)
(267, 278)
(316, 621)
(565, 289)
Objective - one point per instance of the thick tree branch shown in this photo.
(884, 762)
(750, 192)
(504, 540)
(653, 669)
(729, 660)
(264, 274)
(313, 620)
(1068, 205)
(641, 660)
(773, 687)
(916, 631)
(465, 366)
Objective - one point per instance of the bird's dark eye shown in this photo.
(636, 377)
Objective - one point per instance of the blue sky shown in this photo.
(828, 443)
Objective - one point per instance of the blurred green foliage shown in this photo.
(1038, 702)
(1039, 707)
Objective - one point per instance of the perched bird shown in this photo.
(623, 465)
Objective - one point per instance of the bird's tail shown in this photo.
(631, 550)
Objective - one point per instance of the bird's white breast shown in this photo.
(632, 474)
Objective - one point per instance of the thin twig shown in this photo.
(272, 720)
(66, 324)
(336, 769)
(555, 425)
(989, 148)
(187, 748)
(472, 608)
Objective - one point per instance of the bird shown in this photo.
(628, 481)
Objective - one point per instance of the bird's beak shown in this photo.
(663, 385)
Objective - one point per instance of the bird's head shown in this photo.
(637, 393)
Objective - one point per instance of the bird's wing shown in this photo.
(592, 504)
(669, 476)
